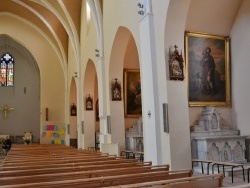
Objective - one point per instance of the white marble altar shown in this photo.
(211, 140)
(134, 137)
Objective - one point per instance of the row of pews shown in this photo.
(54, 166)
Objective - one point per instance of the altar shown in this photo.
(211, 140)
(134, 137)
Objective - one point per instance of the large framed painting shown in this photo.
(208, 69)
(132, 93)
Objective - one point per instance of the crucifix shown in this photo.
(5, 109)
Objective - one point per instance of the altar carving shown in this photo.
(211, 140)
(134, 137)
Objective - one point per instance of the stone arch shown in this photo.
(24, 93)
(124, 55)
(73, 119)
(89, 90)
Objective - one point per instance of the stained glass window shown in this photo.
(6, 70)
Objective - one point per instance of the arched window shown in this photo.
(6, 70)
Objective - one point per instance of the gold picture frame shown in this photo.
(208, 69)
(132, 93)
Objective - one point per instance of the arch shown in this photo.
(89, 92)
(45, 54)
(24, 94)
(73, 117)
(124, 55)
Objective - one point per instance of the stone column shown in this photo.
(149, 84)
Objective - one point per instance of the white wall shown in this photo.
(24, 96)
(215, 18)
(180, 150)
(240, 66)
(52, 81)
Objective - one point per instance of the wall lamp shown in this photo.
(141, 12)
(140, 5)
(76, 74)
(97, 53)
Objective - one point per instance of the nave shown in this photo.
(43, 166)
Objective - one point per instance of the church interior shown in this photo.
(158, 82)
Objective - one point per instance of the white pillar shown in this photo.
(80, 136)
(149, 84)
(105, 137)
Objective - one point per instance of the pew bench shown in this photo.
(82, 174)
(232, 165)
(70, 164)
(208, 162)
(107, 180)
(129, 154)
(132, 154)
(49, 170)
(203, 181)
(52, 161)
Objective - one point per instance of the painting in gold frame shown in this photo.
(132, 93)
(208, 69)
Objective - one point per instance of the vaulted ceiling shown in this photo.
(59, 19)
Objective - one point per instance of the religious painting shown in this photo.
(89, 102)
(132, 93)
(73, 111)
(116, 90)
(208, 69)
(175, 65)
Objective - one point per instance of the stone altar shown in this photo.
(211, 140)
(134, 137)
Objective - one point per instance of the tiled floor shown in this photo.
(238, 180)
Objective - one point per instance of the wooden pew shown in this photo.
(30, 158)
(203, 181)
(107, 180)
(49, 161)
(84, 174)
(70, 164)
(88, 173)
(48, 170)
(232, 165)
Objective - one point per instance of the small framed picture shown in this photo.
(176, 65)
(116, 90)
(73, 111)
(89, 102)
